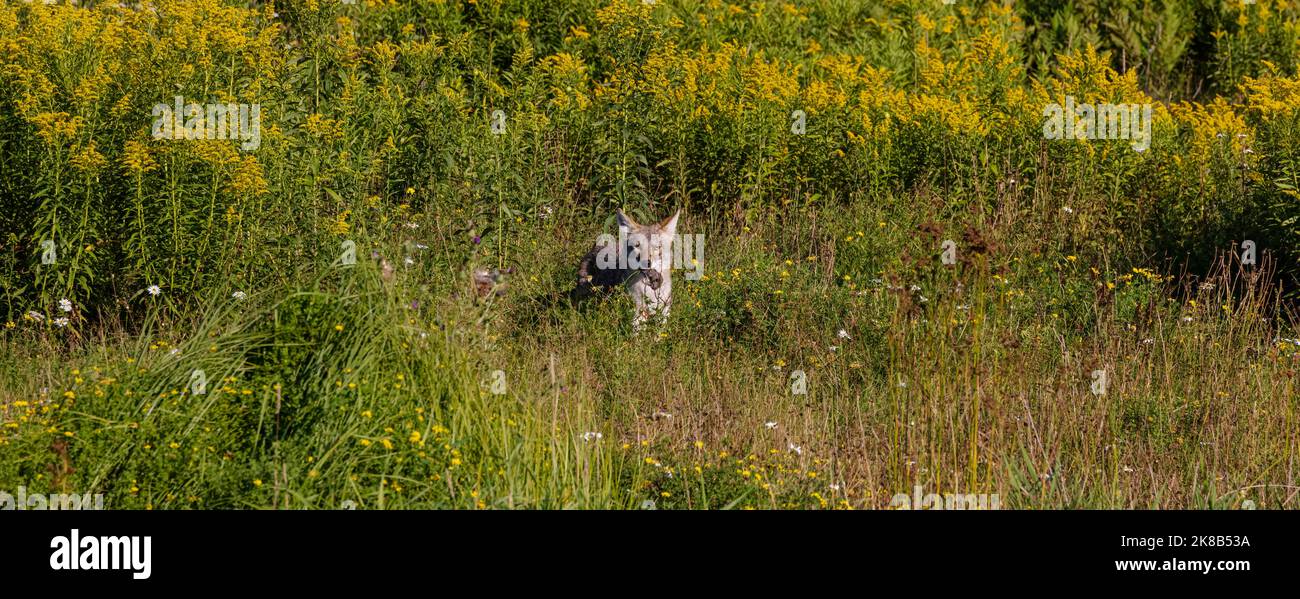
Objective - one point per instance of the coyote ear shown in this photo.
(626, 222)
(669, 224)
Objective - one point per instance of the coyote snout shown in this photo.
(640, 259)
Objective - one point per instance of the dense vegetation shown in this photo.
(184, 325)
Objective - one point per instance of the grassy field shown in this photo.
(908, 282)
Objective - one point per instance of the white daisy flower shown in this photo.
(65, 305)
(843, 334)
(769, 425)
(239, 295)
(60, 322)
(154, 290)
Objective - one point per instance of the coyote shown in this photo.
(640, 259)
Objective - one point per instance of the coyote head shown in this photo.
(648, 247)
